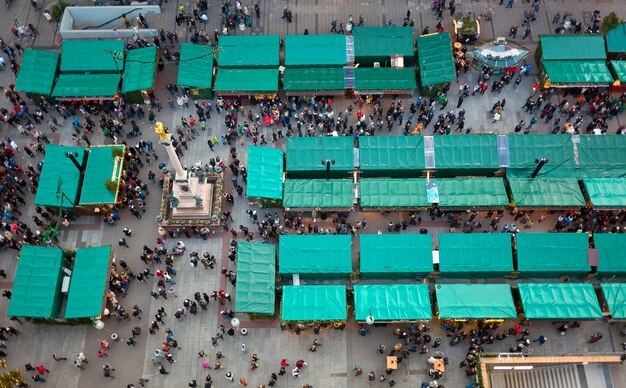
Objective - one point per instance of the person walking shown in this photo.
(107, 369)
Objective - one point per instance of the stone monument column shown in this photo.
(166, 140)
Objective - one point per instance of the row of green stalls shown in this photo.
(256, 279)
(86, 189)
(49, 285)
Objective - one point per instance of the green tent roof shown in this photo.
(620, 70)
(559, 301)
(256, 278)
(315, 50)
(306, 153)
(570, 47)
(400, 193)
(249, 51)
(615, 296)
(434, 52)
(56, 165)
(314, 303)
(616, 39)
(548, 255)
(546, 192)
(606, 192)
(475, 301)
(389, 153)
(79, 56)
(37, 284)
(88, 283)
(86, 85)
(602, 156)
(524, 150)
(384, 78)
(37, 72)
(308, 79)
(265, 172)
(583, 72)
(101, 167)
(318, 193)
(392, 256)
(482, 255)
(247, 80)
(139, 69)
(315, 254)
(393, 302)
(196, 66)
(466, 152)
(611, 254)
(377, 44)
(472, 192)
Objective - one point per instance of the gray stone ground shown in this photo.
(332, 365)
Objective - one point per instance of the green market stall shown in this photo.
(393, 193)
(265, 173)
(37, 284)
(92, 56)
(469, 256)
(546, 192)
(615, 297)
(38, 70)
(304, 156)
(308, 51)
(475, 301)
(559, 301)
(249, 51)
(256, 278)
(472, 193)
(378, 44)
(86, 86)
(606, 192)
(611, 254)
(314, 81)
(88, 284)
(102, 180)
(551, 255)
(315, 256)
(391, 156)
(318, 194)
(139, 74)
(619, 68)
(602, 156)
(395, 256)
(392, 302)
(195, 70)
(246, 82)
(525, 150)
(384, 80)
(314, 303)
(616, 41)
(436, 65)
(57, 166)
(465, 155)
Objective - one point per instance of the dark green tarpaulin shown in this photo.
(619, 67)
(88, 283)
(37, 283)
(389, 154)
(395, 256)
(56, 165)
(476, 154)
(196, 66)
(400, 193)
(392, 302)
(616, 39)
(139, 69)
(313, 79)
(559, 301)
(384, 78)
(315, 50)
(485, 255)
(615, 296)
(37, 72)
(377, 44)
(551, 255)
(79, 56)
(583, 72)
(525, 150)
(246, 80)
(318, 193)
(265, 172)
(475, 301)
(434, 52)
(602, 156)
(249, 51)
(315, 255)
(101, 166)
(546, 192)
(570, 47)
(256, 278)
(611, 254)
(472, 192)
(304, 155)
(606, 192)
(86, 85)
(314, 303)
